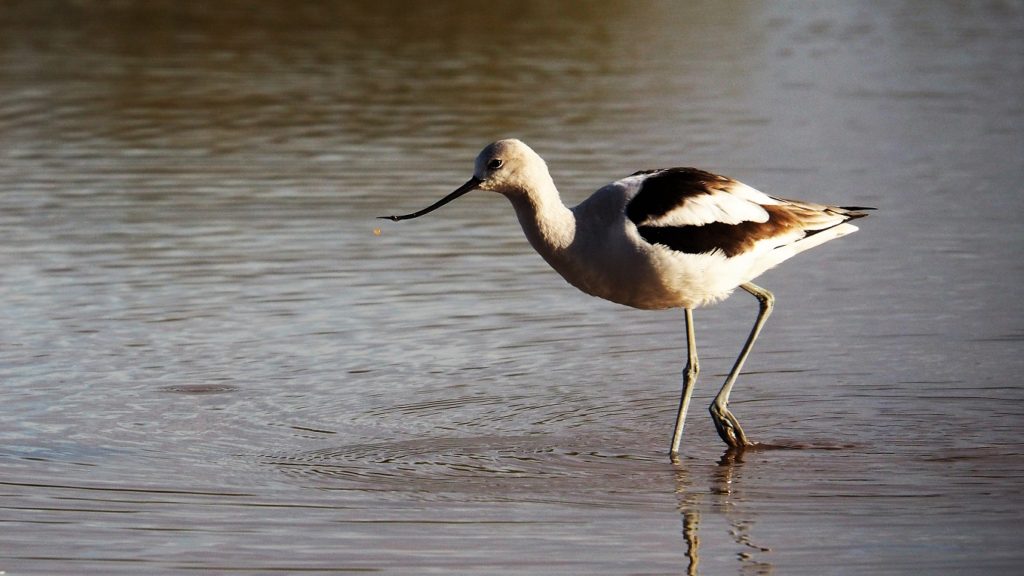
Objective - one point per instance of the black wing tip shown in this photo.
(854, 212)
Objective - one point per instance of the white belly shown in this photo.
(655, 277)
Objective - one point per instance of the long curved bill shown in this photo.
(467, 187)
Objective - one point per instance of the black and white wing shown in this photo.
(697, 212)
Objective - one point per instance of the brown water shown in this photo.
(210, 363)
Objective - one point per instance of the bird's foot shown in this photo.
(728, 427)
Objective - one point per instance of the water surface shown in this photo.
(209, 362)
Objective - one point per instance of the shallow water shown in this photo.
(209, 362)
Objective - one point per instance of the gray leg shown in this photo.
(689, 379)
(727, 425)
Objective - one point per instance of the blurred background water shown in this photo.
(210, 362)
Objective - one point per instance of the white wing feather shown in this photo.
(731, 203)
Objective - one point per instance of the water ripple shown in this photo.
(567, 469)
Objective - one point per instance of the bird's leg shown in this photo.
(727, 425)
(689, 379)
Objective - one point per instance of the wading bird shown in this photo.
(669, 238)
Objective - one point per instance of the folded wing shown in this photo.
(697, 212)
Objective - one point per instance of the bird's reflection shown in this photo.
(691, 519)
(689, 507)
(726, 498)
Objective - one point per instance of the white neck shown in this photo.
(549, 225)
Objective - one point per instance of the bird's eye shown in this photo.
(494, 164)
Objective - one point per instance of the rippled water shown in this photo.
(210, 362)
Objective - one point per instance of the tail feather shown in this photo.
(820, 224)
(783, 253)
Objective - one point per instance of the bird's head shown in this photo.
(506, 166)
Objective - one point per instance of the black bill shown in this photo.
(467, 187)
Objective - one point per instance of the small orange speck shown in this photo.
(376, 231)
